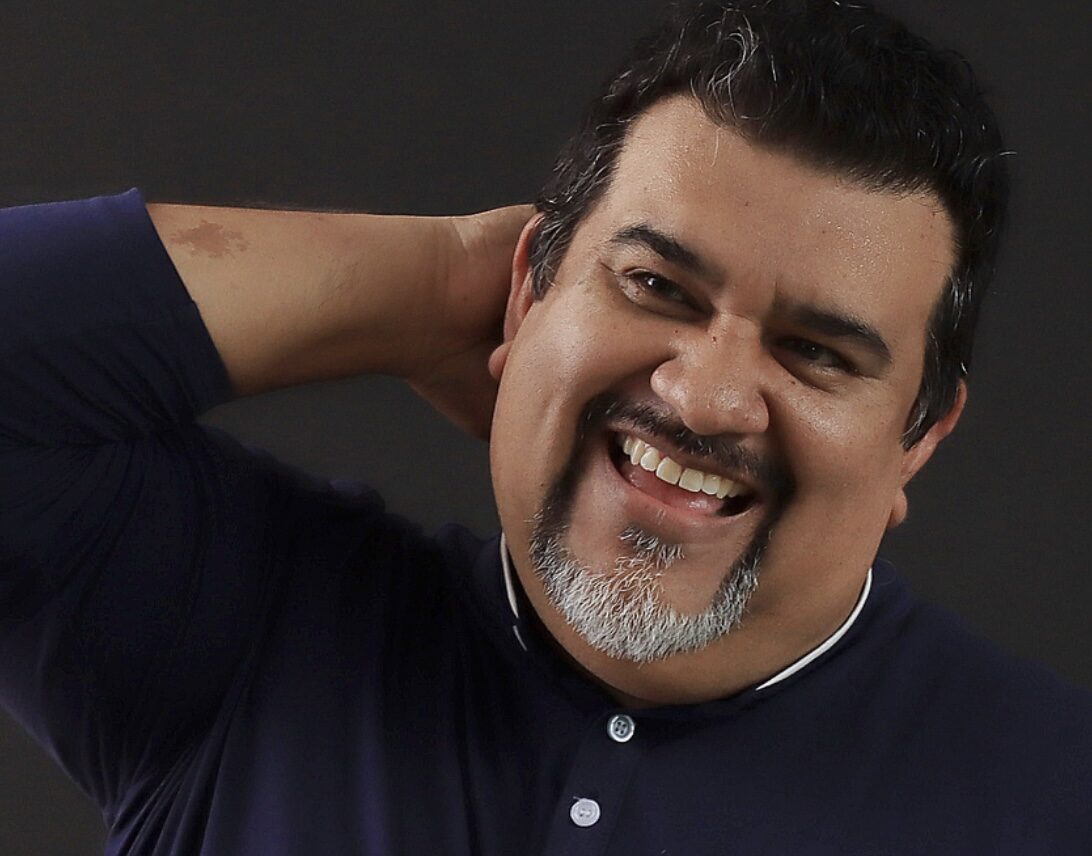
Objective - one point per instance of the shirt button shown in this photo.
(621, 728)
(585, 812)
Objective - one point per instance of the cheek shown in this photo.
(844, 450)
(569, 349)
(579, 342)
(845, 461)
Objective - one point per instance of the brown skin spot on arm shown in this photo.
(210, 239)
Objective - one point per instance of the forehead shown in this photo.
(773, 226)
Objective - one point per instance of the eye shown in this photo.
(815, 355)
(659, 287)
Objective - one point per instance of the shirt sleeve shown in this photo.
(135, 545)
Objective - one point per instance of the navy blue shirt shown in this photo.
(232, 658)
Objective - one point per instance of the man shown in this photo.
(736, 327)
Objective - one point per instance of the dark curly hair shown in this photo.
(839, 86)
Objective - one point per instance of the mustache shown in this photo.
(771, 475)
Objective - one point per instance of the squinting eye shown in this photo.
(816, 355)
(658, 286)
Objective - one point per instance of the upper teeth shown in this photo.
(647, 457)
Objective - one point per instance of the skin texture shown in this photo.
(724, 352)
(295, 296)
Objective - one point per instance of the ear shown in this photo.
(922, 451)
(520, 297)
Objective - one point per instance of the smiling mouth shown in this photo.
(656, 474)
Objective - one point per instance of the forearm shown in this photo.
(291, 297)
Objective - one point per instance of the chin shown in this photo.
(623, 607)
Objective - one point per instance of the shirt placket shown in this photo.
(592, 797)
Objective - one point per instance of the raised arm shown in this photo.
(291, 297)
(141, 554)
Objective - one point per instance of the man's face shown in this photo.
(763, 326)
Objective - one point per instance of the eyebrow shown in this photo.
(667, 247)
(829, 322)
(839, 325)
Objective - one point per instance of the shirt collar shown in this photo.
(830, 642)
(791, 669)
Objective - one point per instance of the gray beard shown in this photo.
(622, 612)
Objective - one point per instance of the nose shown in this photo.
(713, 383)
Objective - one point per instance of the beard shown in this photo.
(622, 610)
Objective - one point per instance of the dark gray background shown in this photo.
(429, 107)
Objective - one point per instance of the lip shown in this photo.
(677, 524)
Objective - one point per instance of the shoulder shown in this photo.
(935, 648)
(965, 702)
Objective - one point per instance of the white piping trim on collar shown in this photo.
(789, 670)
(508, 586)
(832, 640)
